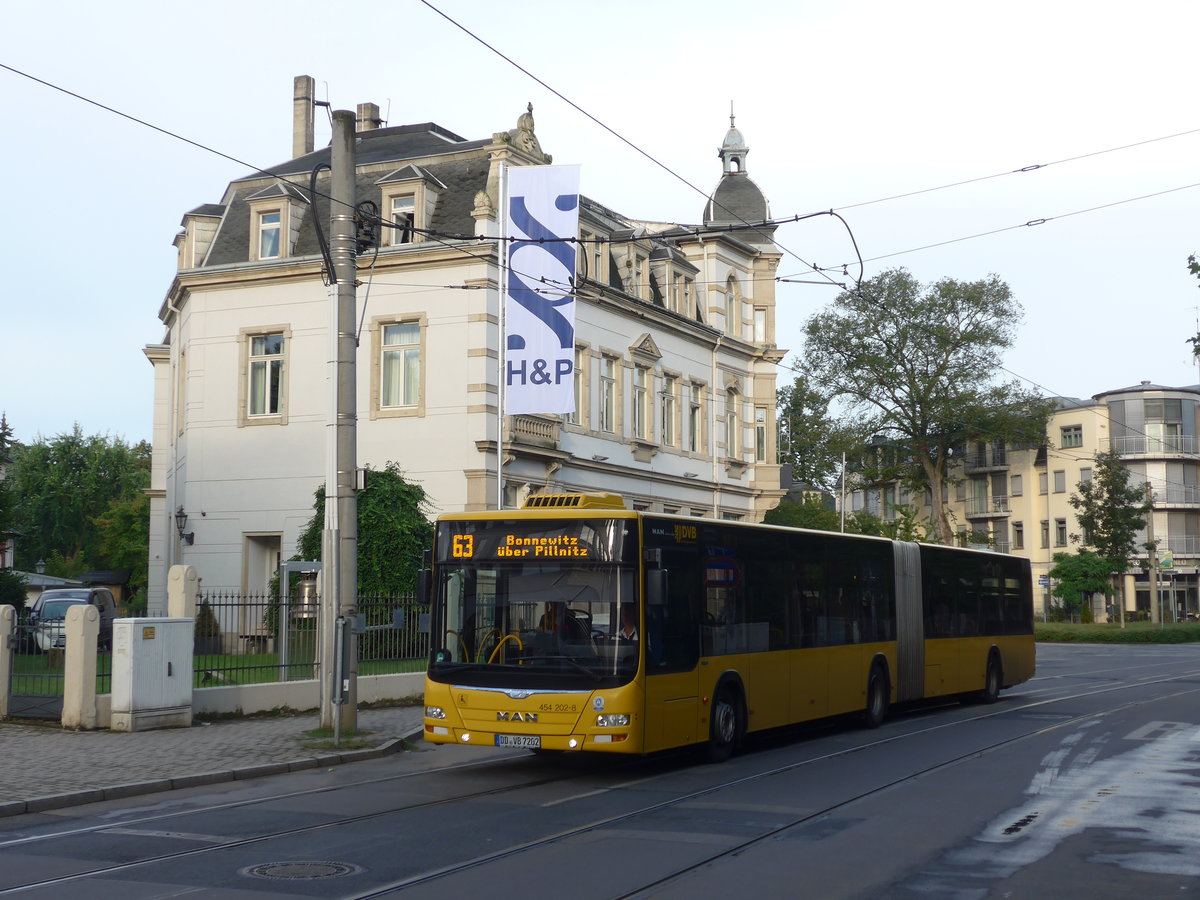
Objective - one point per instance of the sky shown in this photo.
(842, 104)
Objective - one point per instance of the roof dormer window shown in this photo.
(403, 218)
(270, 228)
(409, 196)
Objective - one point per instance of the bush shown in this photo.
(1113, 633)
(206, 621)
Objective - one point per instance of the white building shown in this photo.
(675, 351)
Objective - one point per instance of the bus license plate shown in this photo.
(526, 741)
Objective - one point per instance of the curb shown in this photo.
(200, 779)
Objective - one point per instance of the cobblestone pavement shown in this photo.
(46, 767)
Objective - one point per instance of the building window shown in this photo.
(1018, 536)
(598, 260)
(1043, 483)
(1072, 436)
(670, 385)
(1060, 532)
(696, 418)
(1045, 533)
(270, 233)
(637, 282)
(1017, 486)
(731, 308)
(400, 365)
(641, 402)
(1085, 476)
(731, 423)
(181, 393)
(760, 434)
(578, 417)
(265, 375)
(403, 216)
(608, 394)
(760, 325)
(1060, 482)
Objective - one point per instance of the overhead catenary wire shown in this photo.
(746, 225)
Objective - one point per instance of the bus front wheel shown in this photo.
(725, 726)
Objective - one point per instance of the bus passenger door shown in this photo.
(672, 711)
(671, 659)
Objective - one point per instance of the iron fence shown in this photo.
(259, 638)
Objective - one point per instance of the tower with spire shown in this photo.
(737, 200)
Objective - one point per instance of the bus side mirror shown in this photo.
(656, 587)
(424, 576)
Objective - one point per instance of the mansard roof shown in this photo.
(461, 177)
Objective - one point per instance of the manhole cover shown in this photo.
(293, 871)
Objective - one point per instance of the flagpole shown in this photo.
(500, 356)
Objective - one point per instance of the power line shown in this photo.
(1023, 170)
(611, 131)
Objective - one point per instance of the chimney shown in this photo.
(303, 88)
(368, 117)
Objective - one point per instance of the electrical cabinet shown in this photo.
(152, 673)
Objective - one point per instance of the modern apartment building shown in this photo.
(675, 354)
(1017, 499)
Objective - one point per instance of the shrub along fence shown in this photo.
(254, 639)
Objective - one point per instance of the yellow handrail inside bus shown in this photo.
(507, 637)
(462, 643)
(483, 642)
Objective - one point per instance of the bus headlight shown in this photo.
(434, 712)
(612, 720)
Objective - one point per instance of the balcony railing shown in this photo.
(1181, 545)
(996, 459)
(1184, 495)
(540, 431)
(1143, 445)
(996, 506)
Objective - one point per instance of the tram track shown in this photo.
(134, 825)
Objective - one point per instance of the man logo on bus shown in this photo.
(516, 717)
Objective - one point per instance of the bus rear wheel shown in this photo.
(877, 699)
(991, 682)
(725, 726)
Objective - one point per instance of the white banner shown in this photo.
(539, 303)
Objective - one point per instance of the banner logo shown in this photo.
(539, 306)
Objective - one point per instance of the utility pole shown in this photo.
(339, 540)
(1155, 615)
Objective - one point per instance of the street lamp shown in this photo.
(180, 524)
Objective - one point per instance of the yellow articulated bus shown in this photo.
(575, 624)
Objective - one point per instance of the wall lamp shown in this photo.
(180, 524)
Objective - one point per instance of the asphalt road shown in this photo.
(1081, 783)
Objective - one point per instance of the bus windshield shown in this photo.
(534, 621)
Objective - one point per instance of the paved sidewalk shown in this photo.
(46, 767)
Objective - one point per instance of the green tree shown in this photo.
(393, 530)
(810, 512)
(125, 541)
(7, 446)
(63, 485)
(1076, 576)
(809, 440)
(1110, 511)
(914, 365)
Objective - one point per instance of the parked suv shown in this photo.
(47, 617)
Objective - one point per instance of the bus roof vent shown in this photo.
(574, 501)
